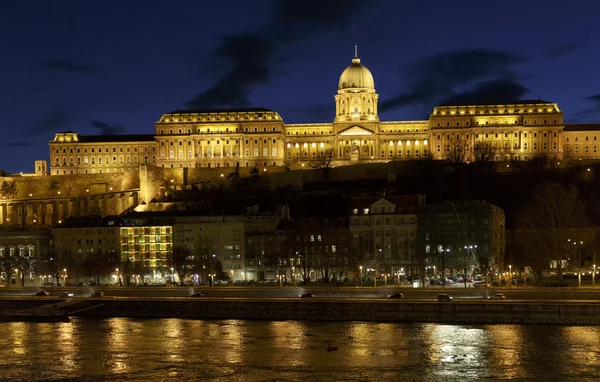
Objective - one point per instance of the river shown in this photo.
(122, 349)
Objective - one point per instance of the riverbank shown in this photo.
(464, 312)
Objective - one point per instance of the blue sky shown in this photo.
(116, 66)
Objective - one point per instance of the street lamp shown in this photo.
(293, 276)
(65, 270)
(361, 275)
(594, 277)
(212, 280)
(16, 276)
(232, 277)
(510, 276)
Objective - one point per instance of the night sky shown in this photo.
(113, 67)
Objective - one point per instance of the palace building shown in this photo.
(258, 137)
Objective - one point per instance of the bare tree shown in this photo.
(235, 174)
(9, 189)
(324, 162)
(254, 172)
(6, 266)
(23, 262)
(182, 261)
(457, 152)
(69, 183)
(483, 152)
(556, 217)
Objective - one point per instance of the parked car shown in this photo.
(97, 294)
(395, 295)
(197, 294)
(444, 298)
(43, 293)
(497, 296)
(307, 295)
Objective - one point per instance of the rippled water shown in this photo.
(122, 349)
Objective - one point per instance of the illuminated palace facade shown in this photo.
(259, 137)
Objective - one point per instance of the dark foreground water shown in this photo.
(121, 349)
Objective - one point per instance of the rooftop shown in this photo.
(498, 102)
(582, 127)
(217, 111)
(112, 138)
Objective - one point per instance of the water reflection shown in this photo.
(118, 345)
(171, 349)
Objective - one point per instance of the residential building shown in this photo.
(454, 236)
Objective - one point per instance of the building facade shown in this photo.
(458, 236)
(384, 231)
(258, 137)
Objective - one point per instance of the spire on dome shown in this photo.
(355, 50)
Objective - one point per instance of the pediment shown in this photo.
(355, 130)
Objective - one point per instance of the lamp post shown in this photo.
(16, 277)
(361, 275)
(65, 270)
(212, 280)
(594, 277)
(510, 276)
(293, 276)
(232, 277)
(444, 266)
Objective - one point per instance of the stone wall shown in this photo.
(376, 311)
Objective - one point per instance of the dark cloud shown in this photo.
(594, 98)
(250, 56)
(434, 78)
(15, 144)
(65, 66)
(495, 91)
(561, 50)
(53, 120)
(593, 109)
(106, 129)
(305, 114)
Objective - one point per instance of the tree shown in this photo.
(97, 265)
(23, 264)
(254, 172)
(69, 183)
(6, 266)
(182, 261)
(53, 263)
(324, 162)
(235, 175)
(483, 152)
(21, 214)
(557, 218)
(457, 154)
(9, 189)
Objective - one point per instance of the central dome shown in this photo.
(356, 76)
